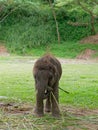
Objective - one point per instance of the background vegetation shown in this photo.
(28, 24)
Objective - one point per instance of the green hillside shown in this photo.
(27, 25)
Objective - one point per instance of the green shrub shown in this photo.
(26, 24)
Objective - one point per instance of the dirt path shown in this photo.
(78, 61)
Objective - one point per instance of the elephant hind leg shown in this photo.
(48, 104)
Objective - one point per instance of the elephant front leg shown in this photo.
(39, 106)
(48, 104)
(55, 102)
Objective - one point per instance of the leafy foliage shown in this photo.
(29, 23)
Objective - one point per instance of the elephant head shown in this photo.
(44, 80)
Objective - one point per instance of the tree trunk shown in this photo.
(92, 25)
(54, 15)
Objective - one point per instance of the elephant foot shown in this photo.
(56, 115)
(38, 114)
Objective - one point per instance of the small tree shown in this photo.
(89, 7)
(54, 15)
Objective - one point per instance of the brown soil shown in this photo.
(3, 51)
(16, 108)
(86, 54)
(90, 39)
(77, 118)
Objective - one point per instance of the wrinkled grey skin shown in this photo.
(47, 72)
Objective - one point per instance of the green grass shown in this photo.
(16, 81)
(65, 49)
(81, 80)
(17, 87)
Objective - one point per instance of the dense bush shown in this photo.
(28, 24)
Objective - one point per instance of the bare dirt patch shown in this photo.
(13, 108)
(72, 118)
(81, 118)
(3, 51)
(86, 54)
(90, 39)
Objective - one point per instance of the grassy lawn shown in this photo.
(17, 87)
(81, 80)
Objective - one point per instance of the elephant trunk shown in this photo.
(41, 94)
(44, 93)
(47, 92)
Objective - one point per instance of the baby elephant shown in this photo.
(47, 72)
